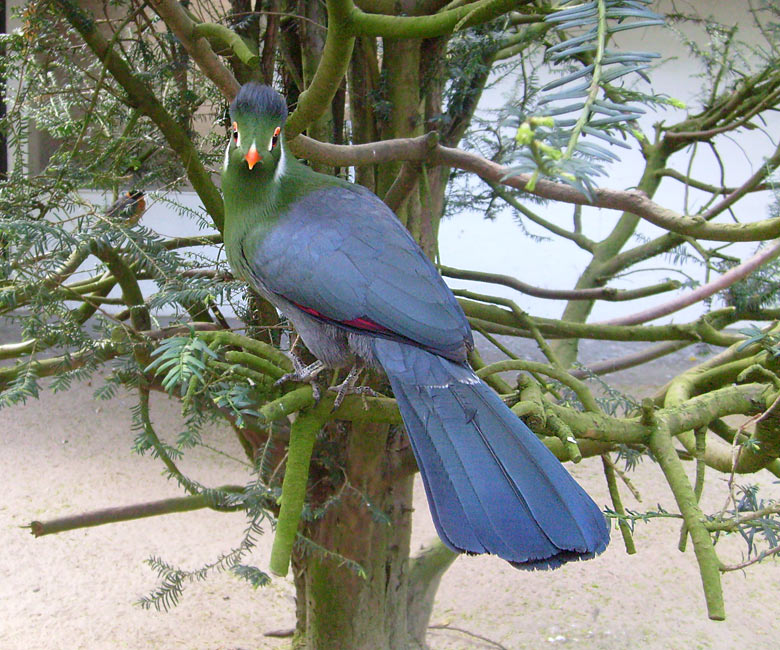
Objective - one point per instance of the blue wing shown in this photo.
(342, 253)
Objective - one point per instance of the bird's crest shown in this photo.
(259, 100)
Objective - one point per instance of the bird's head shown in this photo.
(257, 117)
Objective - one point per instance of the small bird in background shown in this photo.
(338, 263)
(128, 208)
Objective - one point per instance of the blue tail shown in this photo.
(492, 485)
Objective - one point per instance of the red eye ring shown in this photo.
(235, 131)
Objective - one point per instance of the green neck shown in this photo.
(256, 199)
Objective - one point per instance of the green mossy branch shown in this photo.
(697, 412)
(132, 295)
(259, 364)
(559, 374)
(181, 24)
(346, 22)
(617, 503)
(425, 572)
(313, 102)
(660, 443)
(303, 435)
(440, 24)
(103, 351)
(494, 319)
(562, 431)
(262, 350)
(531, 404)
(608, 294)
(703, 380)
(215, 33)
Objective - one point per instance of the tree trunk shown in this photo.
(370, 524)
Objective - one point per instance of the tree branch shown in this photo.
(632, 201)
(599, 293)
(439, 24)
(231, 40)
(775, 550)
(630, 360)
(424, 149)
(315, 100)
(126, 513)
(770, 164)
(186, 30)
(577, 237)
(706, 187)
(709, 565)
(697, 295)
(495, 319)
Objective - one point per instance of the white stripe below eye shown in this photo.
(282, 162)
(227, 156)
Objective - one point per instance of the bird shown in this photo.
(128, 208)
(359, 291)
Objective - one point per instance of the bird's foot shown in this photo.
(347, 387)
(304, 374)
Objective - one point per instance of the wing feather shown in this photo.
(341, 252)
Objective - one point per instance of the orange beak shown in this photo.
(252, 156)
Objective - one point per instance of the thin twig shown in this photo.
(125, 513)
(697, 295)
(761, 556)
(447, 626)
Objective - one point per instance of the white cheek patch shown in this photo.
(227, 156)
(271, 144)
(282, 163)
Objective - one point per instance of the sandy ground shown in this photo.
(67, 453)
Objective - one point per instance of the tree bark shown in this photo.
(338, 607)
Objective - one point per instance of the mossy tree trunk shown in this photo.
(338, 607)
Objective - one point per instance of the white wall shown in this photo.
(470, 242)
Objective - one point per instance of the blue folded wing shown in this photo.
(342, 252)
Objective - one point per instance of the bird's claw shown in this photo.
(354, 390)
(304, 374)
(347, 387)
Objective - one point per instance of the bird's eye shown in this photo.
(235, 132)
(274, 138)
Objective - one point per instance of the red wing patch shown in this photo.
(361, 323)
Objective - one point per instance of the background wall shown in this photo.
(469, 242)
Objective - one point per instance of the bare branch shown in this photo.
(758, 558)
(125, 513)
(424, 148)
(599, 293)
(630, 360)
(770, 164)
(702, 292)
(706, 187)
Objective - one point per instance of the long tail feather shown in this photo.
(492, 485)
